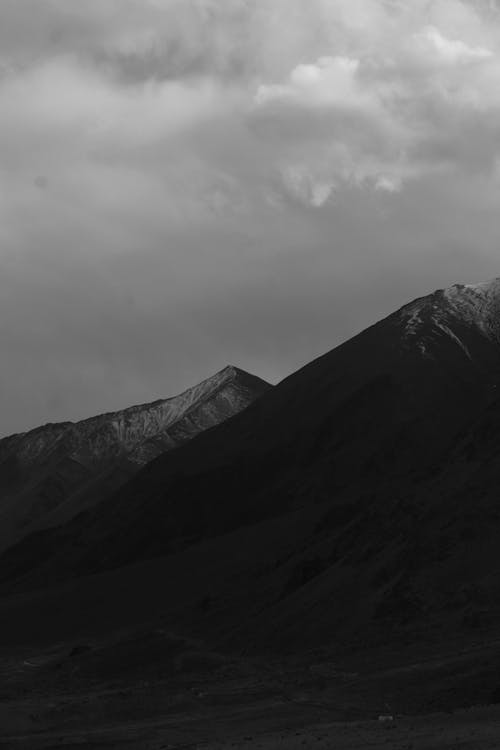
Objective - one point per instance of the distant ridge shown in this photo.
(52, 472)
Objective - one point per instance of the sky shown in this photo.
(186, 184)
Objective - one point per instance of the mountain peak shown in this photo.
(64, 463)
(461, 313)
(122, 431)
(231, 370)
(233, 373)
(491, 285)
(484, 289)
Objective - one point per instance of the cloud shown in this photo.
(404, 83)
(162, 160)
(450, 51)
(328, 81)
(307, 187)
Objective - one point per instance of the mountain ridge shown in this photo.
(203, 389)
(43, 468)
(384, 449)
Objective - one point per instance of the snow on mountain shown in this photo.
(461, 306)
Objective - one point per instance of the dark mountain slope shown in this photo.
(363, 429)
(50, 474)
(341, 535)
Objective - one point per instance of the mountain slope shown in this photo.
(386, 448)
(49, 474)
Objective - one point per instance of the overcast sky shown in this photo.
(190, 183)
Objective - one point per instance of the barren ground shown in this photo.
(143, 690)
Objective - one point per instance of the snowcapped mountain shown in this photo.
(47, 467)
(461, 309)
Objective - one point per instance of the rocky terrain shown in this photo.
(53, 472)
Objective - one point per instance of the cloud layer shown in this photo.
(185, 183)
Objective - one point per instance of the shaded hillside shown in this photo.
(386, 448)
(51, 473)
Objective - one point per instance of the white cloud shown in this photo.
(389, 184)
(399, 84)
(306, 187)
(451, 51)
(329, 80)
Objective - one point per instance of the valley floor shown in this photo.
(153, 690)
(269, 728)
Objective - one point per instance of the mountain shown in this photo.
(355, 500)
(51, 473)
